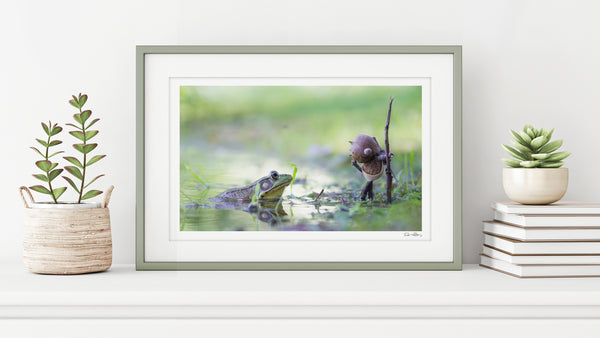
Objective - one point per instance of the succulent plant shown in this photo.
(532, 149)
(82, 133)
(47, 166)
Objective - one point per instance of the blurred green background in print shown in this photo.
(230, 136)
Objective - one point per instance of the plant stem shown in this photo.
(84, 160)
(388, 168)
(48, 173)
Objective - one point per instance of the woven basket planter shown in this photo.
(66, 241)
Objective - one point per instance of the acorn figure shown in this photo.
(366, 151)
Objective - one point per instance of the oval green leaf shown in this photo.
(71, 183)
(54, 143)
(44, 165)
(45, 127)
(74, 161)
(37, 151)
(92, 123)
(41, 177)
(89, 134)
(43, 143)
(89, 147)
(78, 134)
(95, 159)
(82, 100)
(90, 194)
(59, 191)
(85, 115)
(54, 174)
(40, 189)
(74, 171)
(92, 181)
(55, 130)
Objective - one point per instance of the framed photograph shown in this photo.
(298, 158)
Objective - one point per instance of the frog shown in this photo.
(270, 188)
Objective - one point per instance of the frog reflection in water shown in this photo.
(268, 192)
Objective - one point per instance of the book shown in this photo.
(557, 208)
(540, 259)
(525, 271)
(540, 234)
(588, 221)
(515, 247)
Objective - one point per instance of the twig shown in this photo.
(355, 165)
(388, 168)
(367, 191)
(319, 195)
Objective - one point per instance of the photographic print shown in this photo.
(299, 158)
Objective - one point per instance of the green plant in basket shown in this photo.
(532, 149)
(50, 172)
(83, 133)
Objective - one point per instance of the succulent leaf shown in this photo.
(551, 147)
(561, 155)
(548, 133)
(540, 157)
(515, 153)
(538, 142)
(532, 149)
(523, 149)
(511, 163)
(552, 164)
(530, 164)
(525, 137)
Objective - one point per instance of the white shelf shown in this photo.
(122, 292)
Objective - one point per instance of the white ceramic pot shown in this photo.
(535, 185)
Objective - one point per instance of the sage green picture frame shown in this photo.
(455, 51)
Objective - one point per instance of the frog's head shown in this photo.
(272, 186)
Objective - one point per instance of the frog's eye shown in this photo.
(265, 185)
(274, 175)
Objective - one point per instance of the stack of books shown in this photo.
(556, 240)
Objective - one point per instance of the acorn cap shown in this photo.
(363, 148)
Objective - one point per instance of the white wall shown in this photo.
(524, 62)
